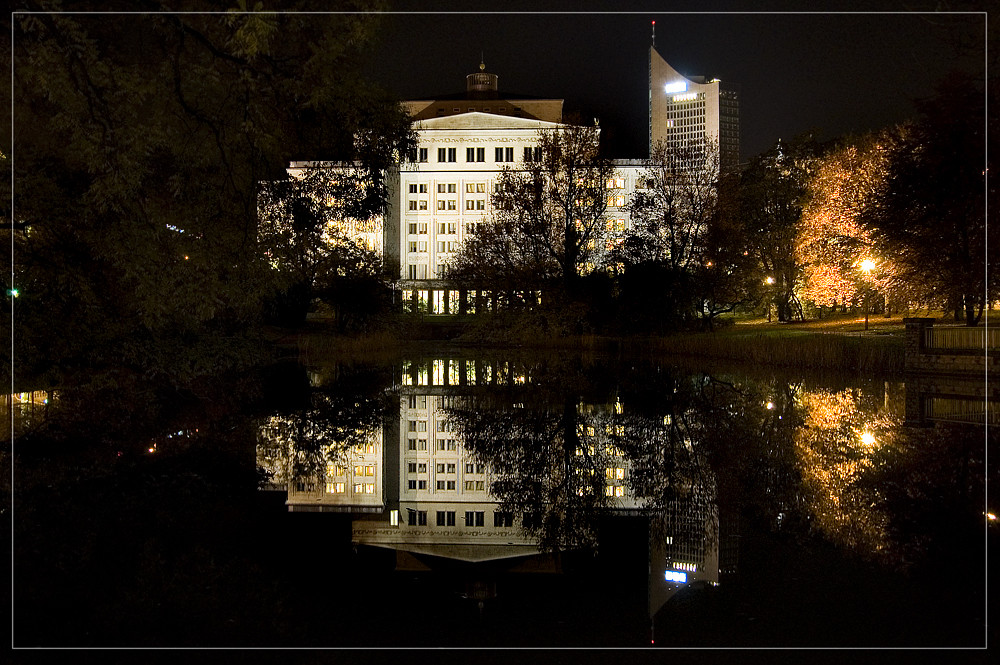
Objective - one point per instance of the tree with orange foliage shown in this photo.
(839, 263)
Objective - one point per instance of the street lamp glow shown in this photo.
(867, 265)
(769, 280)
(867, 438)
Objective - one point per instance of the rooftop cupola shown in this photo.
(481, 85)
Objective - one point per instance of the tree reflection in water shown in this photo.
(339, 412)
(812, 472)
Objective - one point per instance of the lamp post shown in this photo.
(867, 265)
(769, 281)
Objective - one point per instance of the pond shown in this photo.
(504, 499)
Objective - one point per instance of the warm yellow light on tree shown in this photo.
(867, 438)
(867, 265)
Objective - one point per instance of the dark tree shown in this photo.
(313, 228)
(772, 194)
(141, 142)
(550, 214)
(930, 217)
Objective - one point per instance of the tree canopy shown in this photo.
(141, 142)
(550, 215)
(929, 218)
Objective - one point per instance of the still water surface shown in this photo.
(506, 500)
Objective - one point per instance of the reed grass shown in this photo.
(807, 350)
(377, 347)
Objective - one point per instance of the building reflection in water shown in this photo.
(509, 463)
(481, 464)
(26, 410)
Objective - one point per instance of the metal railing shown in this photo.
(967, 410)
(962, 338)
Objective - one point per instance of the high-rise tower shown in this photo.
(685, 110)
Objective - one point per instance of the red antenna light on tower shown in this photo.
(654, 33)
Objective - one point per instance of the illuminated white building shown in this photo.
(443, 190)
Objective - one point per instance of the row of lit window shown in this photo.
(618, 430)
(333, 470)
(416, 374)
(341, 488)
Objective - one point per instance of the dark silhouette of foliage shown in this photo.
(930, 216)
(141, 142)
(772, 194)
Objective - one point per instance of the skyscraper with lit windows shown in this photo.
(685, 110)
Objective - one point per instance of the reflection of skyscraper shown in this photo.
(685, 110)
(684, 544)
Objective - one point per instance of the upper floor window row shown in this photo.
(500, 154)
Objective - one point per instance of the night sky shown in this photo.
(832, 73)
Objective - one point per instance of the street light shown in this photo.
(769, 281)
(867, 265)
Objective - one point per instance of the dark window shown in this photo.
(446, 518)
